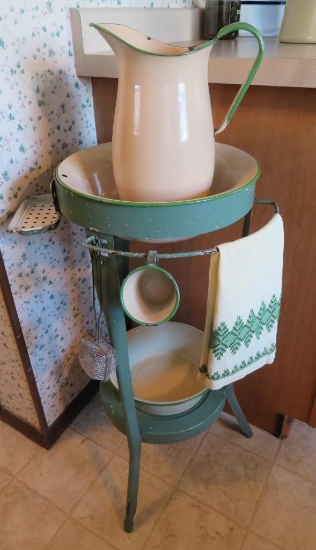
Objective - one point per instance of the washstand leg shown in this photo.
(132, 488)
(236, 408)
(113, 270)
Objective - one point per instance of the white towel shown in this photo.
(245, 283)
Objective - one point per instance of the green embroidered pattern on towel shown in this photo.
(243, 365)
(223, 339)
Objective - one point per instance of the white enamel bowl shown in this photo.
(164, 363)
(90, 171)
(85, 193)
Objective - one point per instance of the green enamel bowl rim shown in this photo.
(118, 202)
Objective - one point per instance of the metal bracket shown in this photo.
(35, 215)
(152, 257)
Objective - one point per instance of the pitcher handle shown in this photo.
(243, 89)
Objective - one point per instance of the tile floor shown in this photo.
(217, 491)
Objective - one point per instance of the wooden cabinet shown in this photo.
(277, 126)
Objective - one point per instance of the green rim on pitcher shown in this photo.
(168, 50)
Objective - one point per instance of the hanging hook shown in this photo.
(152, 258)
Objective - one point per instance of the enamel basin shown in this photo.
(84, 192)
(164, 363)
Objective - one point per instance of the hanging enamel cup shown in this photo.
(150, 295)
(163, 136)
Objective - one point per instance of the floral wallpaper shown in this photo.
(46, 113)
(15, 395)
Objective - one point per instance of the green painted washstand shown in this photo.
(84, 192)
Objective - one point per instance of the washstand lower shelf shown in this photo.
(165, 429)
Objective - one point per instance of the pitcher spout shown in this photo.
(116, 34)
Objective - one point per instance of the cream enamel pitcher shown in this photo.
(163, 147)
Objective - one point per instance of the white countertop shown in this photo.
(290, 65)
(286, 65)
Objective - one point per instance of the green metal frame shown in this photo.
(138, 426)
(112, 223)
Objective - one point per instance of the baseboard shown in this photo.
(46, 438)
